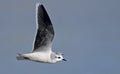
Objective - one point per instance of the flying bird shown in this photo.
(42, 48)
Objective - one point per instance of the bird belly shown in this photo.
(39, 57)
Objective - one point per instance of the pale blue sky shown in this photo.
(87, 32)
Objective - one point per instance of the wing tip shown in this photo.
(39, 5)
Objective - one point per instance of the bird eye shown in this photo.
(59, 57)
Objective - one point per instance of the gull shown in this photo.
(42, 46)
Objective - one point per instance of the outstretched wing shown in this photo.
(45, 31)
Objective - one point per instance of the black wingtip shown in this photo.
(39, 5)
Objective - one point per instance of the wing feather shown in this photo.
(45, 31)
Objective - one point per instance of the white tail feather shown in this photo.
(20, 57)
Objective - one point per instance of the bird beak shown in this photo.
(64, 60)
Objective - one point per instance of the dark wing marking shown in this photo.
(45, 31)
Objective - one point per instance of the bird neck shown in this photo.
(52, 56)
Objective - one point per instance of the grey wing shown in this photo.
(45, 31)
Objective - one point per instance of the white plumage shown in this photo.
(42, 48)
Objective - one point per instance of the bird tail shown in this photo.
(20, 57)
